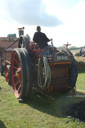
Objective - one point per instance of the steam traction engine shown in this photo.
(49, 70)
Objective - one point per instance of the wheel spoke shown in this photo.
(19, 88)
(16, 63)
(17, 83)
(16, 74)
(15, 67)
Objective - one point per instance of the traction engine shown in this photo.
(49, 69)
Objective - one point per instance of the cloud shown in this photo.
(76, 20)
(31, 12)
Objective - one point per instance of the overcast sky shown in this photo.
(62, 20)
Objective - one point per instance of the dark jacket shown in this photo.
(41, 39)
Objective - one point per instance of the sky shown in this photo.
(62, 20)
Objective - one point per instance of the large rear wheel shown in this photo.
(20, 68)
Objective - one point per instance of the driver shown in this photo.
(41, 38)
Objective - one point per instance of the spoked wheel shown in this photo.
(8, 75)
(21, 72)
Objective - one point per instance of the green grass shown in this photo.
(81, 81)
(39, 111)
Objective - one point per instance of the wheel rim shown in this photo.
(16, 74)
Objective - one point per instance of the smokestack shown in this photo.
(21, 31)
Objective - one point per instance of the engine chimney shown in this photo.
(21, 31)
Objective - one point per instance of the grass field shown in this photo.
(81, 81)
(39, 111)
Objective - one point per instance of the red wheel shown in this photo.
(19, 73)
(8, 74)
